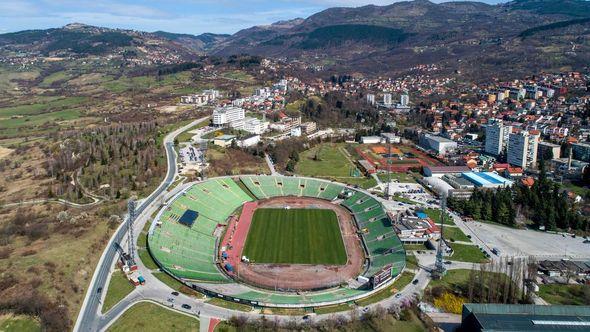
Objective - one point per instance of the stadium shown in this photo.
(277, 241)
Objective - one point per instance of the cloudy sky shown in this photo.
(186, 16)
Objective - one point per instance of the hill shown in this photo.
(472, 37)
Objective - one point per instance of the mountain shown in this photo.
(81, 40)
(199, 43)
(473, 38)
(468, 36)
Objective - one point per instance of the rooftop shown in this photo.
(522, 318)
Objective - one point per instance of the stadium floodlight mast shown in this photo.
(439, 266)
(131, 204)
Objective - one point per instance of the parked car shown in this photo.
(171, 300)
(415, 281)
(174, 293)
(186, 306)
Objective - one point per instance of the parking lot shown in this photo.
(525, 242)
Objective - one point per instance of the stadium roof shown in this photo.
(522, 318)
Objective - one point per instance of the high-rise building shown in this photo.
(548, 149)
(225, 115)
(581, 151)
(387, 99)
(522, 149)
(404, 100)
(496, 137)
(371, 99)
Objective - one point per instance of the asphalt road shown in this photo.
(88, 318)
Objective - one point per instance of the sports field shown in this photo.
(295, 236)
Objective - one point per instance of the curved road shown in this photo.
(89, 313)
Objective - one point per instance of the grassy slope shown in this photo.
(20, 323)
(118, 288)
(152, 317)
(298, 236)
(565, 294)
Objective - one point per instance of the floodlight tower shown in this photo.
(203, 158)
(131, 204)
(389, 163)
(439, 266)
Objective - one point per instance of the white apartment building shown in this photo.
(496, 137)
(225, 115)
(404, 100)
(251, 125)
(201, 99)
(371, 99)
(522, 149)
(387, 99)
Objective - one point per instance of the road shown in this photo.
(89, 315)
(270, 164)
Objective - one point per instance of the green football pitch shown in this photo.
(295, 236)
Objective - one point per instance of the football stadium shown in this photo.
(277, 241)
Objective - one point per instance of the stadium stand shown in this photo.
(187, 249)
(383, 245)
(273, 186)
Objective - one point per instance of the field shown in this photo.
(467, 253)
(20, 323)
(455, 233)
(332, 162)
(146, 317)
(118, 288)
(295, 236)
(565, 294)
(434, 214)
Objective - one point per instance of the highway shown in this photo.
(88, 318)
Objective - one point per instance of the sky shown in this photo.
(181, 16)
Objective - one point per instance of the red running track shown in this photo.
(235, 237)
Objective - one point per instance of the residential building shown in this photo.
(404, 100)
(546, 149)
(309, 127)
(251, 125)
(224, 115)
(581, 151)
(496, 137)
(371, 99)
(522, 149)
(387, 99)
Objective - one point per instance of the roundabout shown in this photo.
(275, 241)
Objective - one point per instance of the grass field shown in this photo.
(333, 163)
(118, 288)
(18, 323)
(467, 253)
(147, 317)
(332, 308)
(295, 236)
(565, 294)
(434, 214)
(455, 233)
